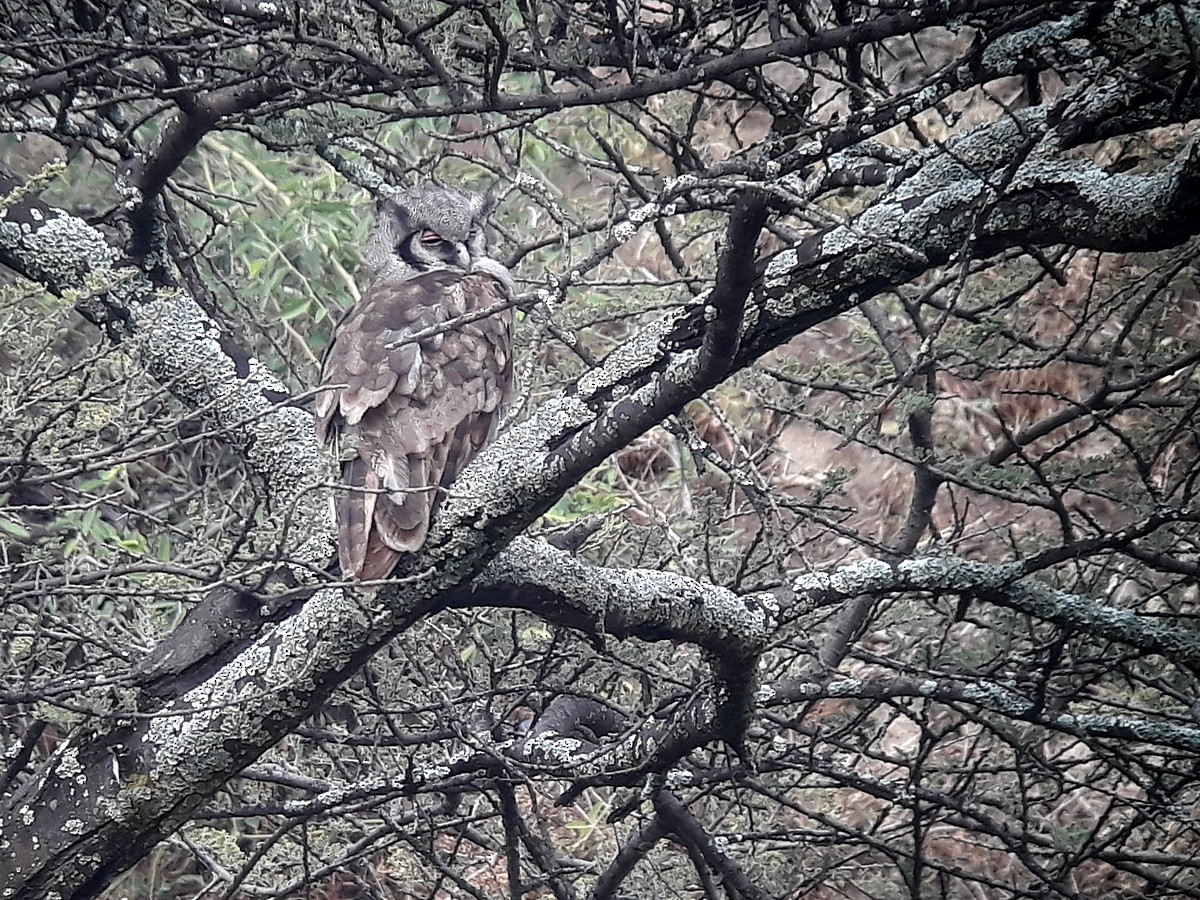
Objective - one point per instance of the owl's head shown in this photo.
(424, 229)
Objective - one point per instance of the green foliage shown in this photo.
(284, 247)
(597, 494)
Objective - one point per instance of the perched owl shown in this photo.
(411, 395)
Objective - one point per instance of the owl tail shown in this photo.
(361, 550)
(402, 515)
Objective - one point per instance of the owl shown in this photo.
(417, 375)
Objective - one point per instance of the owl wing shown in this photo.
(405, 416)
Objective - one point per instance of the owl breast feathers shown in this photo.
(411, 395)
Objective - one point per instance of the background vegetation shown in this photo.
(964, 486)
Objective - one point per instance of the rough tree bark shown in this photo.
(108, 798)
(108, 795)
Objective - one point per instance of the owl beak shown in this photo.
(461, 257)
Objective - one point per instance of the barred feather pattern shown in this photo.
(405, 416)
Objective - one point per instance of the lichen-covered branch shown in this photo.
(624, 603)
(969, 194)
(649, 605)
(989, 697)
(1004, 585)
(195, 742)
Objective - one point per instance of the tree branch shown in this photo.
(1003, 586)
(199, 738)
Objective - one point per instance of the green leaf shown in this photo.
(295, 308)
(14, 529)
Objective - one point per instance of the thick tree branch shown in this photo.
(104, 798)
(993, 698)
(957, 196)
(639, 603)
(195, 741)
(1004, 586)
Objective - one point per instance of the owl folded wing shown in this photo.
(413, 397)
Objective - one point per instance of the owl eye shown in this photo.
(430, 237)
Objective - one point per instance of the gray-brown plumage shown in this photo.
(405, 415)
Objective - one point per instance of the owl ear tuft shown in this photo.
(386, 199)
